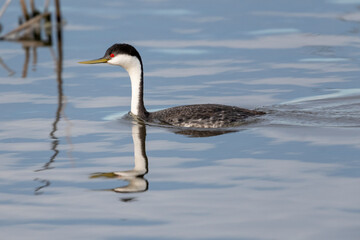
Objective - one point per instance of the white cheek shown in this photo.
(117, 60)
(128, 62)
(125, 61)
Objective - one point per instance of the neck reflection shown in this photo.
(134, 177)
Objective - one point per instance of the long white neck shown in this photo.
(136, 88)
(134, 68)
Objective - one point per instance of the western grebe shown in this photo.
(195, 116)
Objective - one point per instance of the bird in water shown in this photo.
(193, 116)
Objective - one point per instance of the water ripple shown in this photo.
(337, 109)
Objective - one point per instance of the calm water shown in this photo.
(77, 170)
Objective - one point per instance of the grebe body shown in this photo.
(195, 116)
(202, 116)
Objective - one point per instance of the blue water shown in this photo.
(67, 171)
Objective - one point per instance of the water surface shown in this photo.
(67, 164)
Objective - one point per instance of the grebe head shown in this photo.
(120, 54)
(128, 57)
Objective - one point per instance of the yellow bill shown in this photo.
(100, 60)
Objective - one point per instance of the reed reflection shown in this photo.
(134, 177)
(8, 69)
(34, 31)
(60, 102)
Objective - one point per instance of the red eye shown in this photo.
(112, 55)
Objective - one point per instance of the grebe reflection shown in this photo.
(135, 176)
